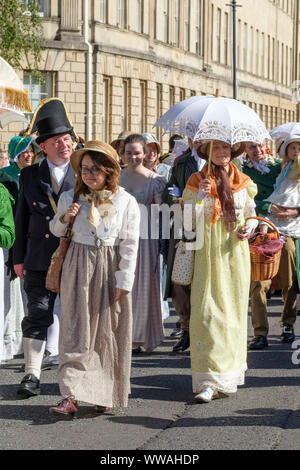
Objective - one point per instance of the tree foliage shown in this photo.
(21, 33)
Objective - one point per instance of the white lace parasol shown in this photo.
(211, 118)
(285, 131)
(180, 147)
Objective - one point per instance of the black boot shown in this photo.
(29, 387)
(258, 342)
(288, 334)
(183, 343)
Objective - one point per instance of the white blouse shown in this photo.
(122, 230)
(287, 195)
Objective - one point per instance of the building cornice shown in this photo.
(67, 45)
(154, 59)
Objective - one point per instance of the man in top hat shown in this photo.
(40, 188)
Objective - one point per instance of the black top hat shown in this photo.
(50, 119)
(51, 126)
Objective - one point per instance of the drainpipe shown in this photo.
(89, 66)
(296, 48)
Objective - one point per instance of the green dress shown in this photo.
(219, 299)
(7, 237)
(264, 181)
(7, 225)
(13, 170)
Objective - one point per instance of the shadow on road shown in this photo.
(276, 356)
(162, 387)
(39, 415)
(8, 392)
(161, 360)
(252, 382)
(255, 417)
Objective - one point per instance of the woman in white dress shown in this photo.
(97, 278)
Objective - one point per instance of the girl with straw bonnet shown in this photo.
(221, 276)
(97, 277)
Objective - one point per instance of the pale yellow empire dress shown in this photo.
(219, 299)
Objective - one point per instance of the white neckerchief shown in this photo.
(262, 166)
(58, 172)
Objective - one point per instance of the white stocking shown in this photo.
(53, 330)
(33, 354)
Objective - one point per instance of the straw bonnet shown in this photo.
(93, 146)
(121, 136)
(151, 139)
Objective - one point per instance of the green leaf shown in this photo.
(21, 33)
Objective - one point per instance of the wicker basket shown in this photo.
(263, 268)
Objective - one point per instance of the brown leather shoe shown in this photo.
(67, 407)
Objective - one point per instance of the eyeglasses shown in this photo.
(92, 171)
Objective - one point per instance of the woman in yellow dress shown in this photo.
(221, 277)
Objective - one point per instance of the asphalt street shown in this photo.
(162, 415)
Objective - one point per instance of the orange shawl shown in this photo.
(237, 179)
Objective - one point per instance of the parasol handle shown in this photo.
(209, 158)
(211, 142)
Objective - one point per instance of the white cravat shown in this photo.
(58, 172)
(262, 166)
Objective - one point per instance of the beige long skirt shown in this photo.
(95, 331)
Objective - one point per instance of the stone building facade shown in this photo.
(120, 64)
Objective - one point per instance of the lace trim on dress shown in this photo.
(241, 207)
(219, 382)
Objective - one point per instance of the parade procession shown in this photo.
(150, 227)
